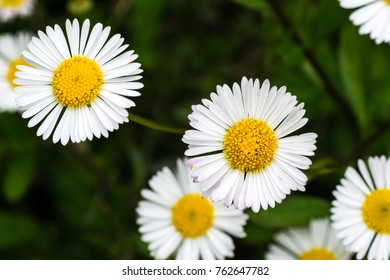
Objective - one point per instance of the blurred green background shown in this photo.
(78, 201)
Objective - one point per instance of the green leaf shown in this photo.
(320, 26)
(354, 61)
(16, 229)
(145, 41)
(253, 4)
(294, 211)
(256, 235)
(18, 178)
(378, 89)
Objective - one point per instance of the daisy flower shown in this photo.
(11, 47)
(77, 83)
(175, 220)
(240, 146)
(361, 209)
(9, 9)
(373, 17)
(318, 241)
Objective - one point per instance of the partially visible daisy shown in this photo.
(9, 9)
(175, 220)
(373, 17)
(241, 150)
(316, 242)
(11, 47)
(79, 82)
(361, 209)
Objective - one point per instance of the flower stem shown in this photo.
(155, 126)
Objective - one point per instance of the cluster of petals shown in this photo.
(372, 17)
(21, 8)
(292, 243)
(11, 47)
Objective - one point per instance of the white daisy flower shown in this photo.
(9, 9)
(77, 84)
(11, 47)
(361, 209)
(242, 152)
(175, 220)
(318, 241)
(373, 17)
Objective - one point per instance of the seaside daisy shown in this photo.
(77, 83)
(318, 241)
(9, 9)
(240, 148)
(361, 209)
(11, 47)
(175, 220)
(373, 17)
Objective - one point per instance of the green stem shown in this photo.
(363, 146)
(155, 126)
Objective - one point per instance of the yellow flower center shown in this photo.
(317, 253)
(249, 145)
(77, 82)
(376, 211)
(387, 2)
(12, 69)
(192, 215)
(11, 3)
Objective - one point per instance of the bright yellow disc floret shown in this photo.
(249, 145)
(11, 3)
(317, 253)
(77, 81)
(376, 211)
(192, 215)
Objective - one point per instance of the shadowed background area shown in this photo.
(78, 201)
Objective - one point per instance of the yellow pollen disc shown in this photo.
(317, 254)
(249, 145)
(12, 69)
(77, 81)
(387, 2)
(192, 215)
(11, 3)
(376, 211)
